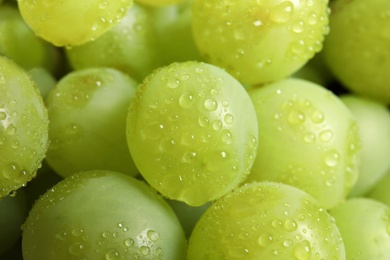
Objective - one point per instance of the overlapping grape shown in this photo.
(219, 153)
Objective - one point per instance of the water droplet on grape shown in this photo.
(332, 158)
(112, 255)
(76, 249)
(290, 225)
(217, 125)
(129, 242)
(210, 104)
(3, 116)
(302, 250)
(226, 136)
(309, 138)
(264, 240)
(326, 135)
(153, 235)
(173, 82)
(229, 119)
(283, 12)
(296, 117)
(144, 250)
(203, 121)
(317, 117)
(186, 100)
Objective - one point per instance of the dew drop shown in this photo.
(290, 225)
(283, 12)
(11, 130)
(326, 135)
(173, 83)
(186, 100)
(302, 250)
(188, 157)
(264, 240)
(309, 138)
(203, 121)
(11, 171)
(217, 125)
(129, 242)
(298, 26)
(144, 250)
(210, 104)
(317, 117)
(332, 158)
(76, 249)
(287, 243)
(112, 254)
(226, 136)
(229, 119)
(153, 235)
(296, 117)
(3, 116)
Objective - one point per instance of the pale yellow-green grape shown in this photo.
(307, 138)
(87, 112)
(380, 191)
(192, 132)
(129, 46)
(176, 41)
(72, 22)
(102, 215)
(20, 44)
(259, 41)
(266, 220)
(364, 225)
(357, 48)
(158, 3)
(13, 212)
(373, 119)
(23, 127)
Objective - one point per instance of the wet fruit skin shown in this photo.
(192, 132)
(23, 127)
(102, 215)
(311, 135)
(266, 220)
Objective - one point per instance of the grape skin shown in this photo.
(71, 22)
(259, 41)
(23, 127)
(192, 132)
(266, 220)
(102, 215)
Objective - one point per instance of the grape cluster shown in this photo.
(193, 129)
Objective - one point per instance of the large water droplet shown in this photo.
(153, 235)
(283, 12)
(332, 158)
(210, 104)
(302, 250)
(296, 117)
(186, 100)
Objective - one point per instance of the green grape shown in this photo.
(13, 211)
(87, 112)
(307, 138)
(357, 48)
(23, 127)
(158, 3)
(259, 41)
(129, 46)
(266, 221)
(187, 215)
(20, 44)
(380, 191)
(364, 225)
(176, 41)
(44, 80)
(373, 120)
(192, 132)
(102, 215)
(71, 22)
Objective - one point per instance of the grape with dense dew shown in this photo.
(23, 127)
(266, 221)
(307, 138)
(102, 215)
(373, 119)
(129, 46)
(357, 48)
(364, 225)
(20, 44)
(192, 132)
(72, 22)
(13, 211)
(259, 41)
(87, 112)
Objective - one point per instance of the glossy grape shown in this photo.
(307, 138)
(72, 22)
(259, 41)
(102, 215)
(192, 132)
(23, 127)
(87, 112)
(266, 221)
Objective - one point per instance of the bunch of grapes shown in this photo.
(194, 129)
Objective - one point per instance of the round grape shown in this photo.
(192, 132)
